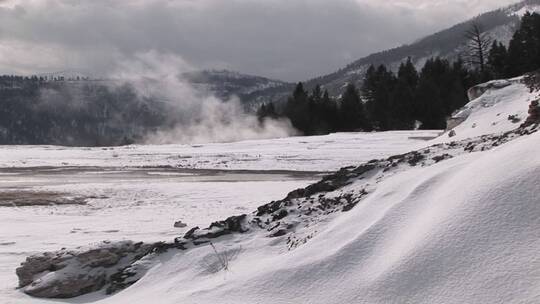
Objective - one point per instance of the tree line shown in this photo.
(411, 99)
(36, 111)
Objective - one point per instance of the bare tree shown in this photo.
(479, 44)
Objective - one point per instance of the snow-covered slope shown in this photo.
(499, 106)
(455, 222)
(466, 230)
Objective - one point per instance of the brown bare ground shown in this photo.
(21, 198)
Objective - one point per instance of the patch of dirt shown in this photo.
(23, 198)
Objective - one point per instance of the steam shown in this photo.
(197, 117)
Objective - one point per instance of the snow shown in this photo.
(133, 208)
(137, 196)
(315, 153)
(465, 229)
(527, 8)
(428, 235)
(489, 113)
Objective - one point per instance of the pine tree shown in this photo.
(402, 98)
(429, 105)
(352, 113)
(330, 110)
(524, 48)
(297, 109)
(407, 73)
(316, 120)
(377, 89)
(497, 60)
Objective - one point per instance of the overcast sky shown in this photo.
(285, 39)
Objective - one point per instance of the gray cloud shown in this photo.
(286, 39)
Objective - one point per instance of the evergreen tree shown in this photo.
(297, 109)
(407, 73)
(524, 48)
(352, 113)
(330, 110)
(316, 116)
(402, 98)
(377, 90)
(497, 60)
(429, 105)
(267, 111)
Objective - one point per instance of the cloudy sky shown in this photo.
(286, 39)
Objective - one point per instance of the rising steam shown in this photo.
(197, 117)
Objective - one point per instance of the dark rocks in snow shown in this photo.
(532, 80)
(179, 224)
(534, 114)
(270, 207)
(231, 224)
(415, 158)
(278, 233)
(71, 273)
(191, 233)
(333, 182)
(514, 118)
(442, 157)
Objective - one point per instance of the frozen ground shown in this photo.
(316, 153)
(138, 192)
(454, 223)
(124, 204)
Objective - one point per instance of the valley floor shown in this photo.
(138, 192)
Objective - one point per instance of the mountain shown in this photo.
(225, 84)
(449, 43)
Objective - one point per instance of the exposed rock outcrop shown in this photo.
(534, 114)
(70, 273)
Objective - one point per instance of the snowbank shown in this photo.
(499, 106)
(464, 230)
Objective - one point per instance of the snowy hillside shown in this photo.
(427, 235)
(454, 222)
(449, 43)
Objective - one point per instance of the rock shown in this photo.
(180, 224)
(534, 114)
(514, 118)
(452, 133)
(191, 233)
(71, 273)
(280, 232)
(49, 286)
